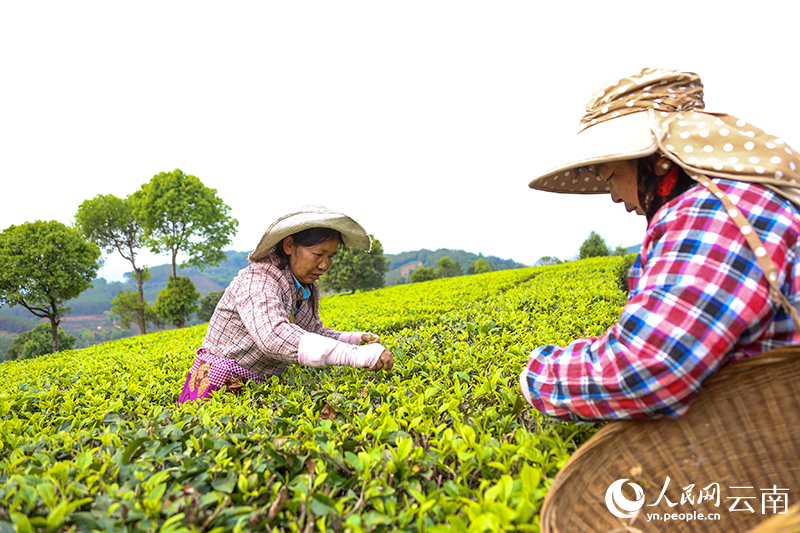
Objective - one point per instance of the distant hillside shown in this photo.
(18, 324)
(88, 308)
(97, 300)
(11, 326)
(402, 264)
(635, 249)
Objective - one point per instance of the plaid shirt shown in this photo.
(252, 322)
(698, 300)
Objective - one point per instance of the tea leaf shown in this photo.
(94, 440)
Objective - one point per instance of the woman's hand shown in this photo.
(359, 337)
(386, 362)
(369, 338)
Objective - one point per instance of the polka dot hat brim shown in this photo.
(308, 217)
(625, 137)
(662, 110)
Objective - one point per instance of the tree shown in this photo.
(112, 334)
(448, 268)
(354, 269)
(115, 224)
(423, 274)
(183, 215)
(38, 341)
(479, 266)
(593, 246)
(548, 260)
(86, 338)
(177, 301)
(127, 306)
(208, 304)
(42, 265)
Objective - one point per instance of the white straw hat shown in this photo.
(307, 217)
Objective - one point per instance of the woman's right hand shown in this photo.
(385, 362)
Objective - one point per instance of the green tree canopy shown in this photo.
(115, 224)
(176, 303)
(207, 305)
(354, 269)
(38, 341)
(127, 307)
(86, 338)
(548, 260)
(479, 266)
(448, 268)
(42, 265)
(423, 274)
(183, 215)
(594, 246)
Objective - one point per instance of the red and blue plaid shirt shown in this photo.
(698, 300)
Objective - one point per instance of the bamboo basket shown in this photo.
(742, 430)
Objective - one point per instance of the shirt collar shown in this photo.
(302, 291)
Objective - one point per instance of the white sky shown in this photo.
(424, 120)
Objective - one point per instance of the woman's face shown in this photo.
(308, 263)
(621, 178)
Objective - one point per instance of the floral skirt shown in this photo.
(211, 373)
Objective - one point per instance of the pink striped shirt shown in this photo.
(252, 322)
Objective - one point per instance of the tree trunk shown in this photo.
(174, 266)
(140, 286)
(54, 328)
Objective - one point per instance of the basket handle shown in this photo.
(767, 265)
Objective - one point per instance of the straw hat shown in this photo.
(662, 110)
(307, 217)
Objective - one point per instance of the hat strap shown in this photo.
(755, 244)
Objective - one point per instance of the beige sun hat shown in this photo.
(307, 217)
(662, 110)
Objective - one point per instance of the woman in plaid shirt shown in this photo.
(715, 280)
(268, 317)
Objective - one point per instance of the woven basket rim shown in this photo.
(612, 429)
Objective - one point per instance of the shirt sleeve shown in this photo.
(699, 292)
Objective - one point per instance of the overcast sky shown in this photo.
(424, 120)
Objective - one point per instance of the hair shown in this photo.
(653, 194)
(307, 237)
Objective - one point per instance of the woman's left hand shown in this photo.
(358, 337)
(369, 338)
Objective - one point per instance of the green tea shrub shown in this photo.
(93, 439)
(623, 270)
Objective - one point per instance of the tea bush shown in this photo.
(93, 440)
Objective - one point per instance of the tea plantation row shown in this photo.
(93, 439)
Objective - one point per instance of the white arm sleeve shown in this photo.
(319, 352)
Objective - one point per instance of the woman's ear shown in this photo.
(662, 165)
(289, 245)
